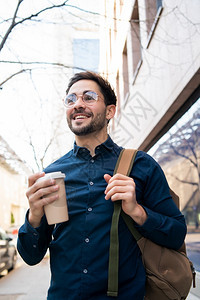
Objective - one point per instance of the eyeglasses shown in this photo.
(89, 98)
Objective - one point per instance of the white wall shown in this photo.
(168, 74)
(12, 197)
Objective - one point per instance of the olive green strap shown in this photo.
(114, 253)
(129, 222)
(123, 166)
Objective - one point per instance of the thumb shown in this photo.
(107, 177)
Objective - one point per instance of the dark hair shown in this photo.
(104, 85)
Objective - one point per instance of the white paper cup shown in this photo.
(57, 211)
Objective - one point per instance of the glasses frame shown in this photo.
(82, 98)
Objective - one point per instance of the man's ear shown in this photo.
(110, 111)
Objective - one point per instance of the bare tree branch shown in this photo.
(41, 63)
(31, 70)
(13, 75)
(34, 151)
(14, 23)
(184, 156)
(191, 198)
(183, 181)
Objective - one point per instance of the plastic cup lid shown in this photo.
(53, 175)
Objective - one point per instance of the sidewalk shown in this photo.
(193, 243)
(195, 292)
(192, 237)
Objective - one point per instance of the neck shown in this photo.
(91, 141)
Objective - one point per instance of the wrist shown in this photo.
(139, 215)
(33, 220)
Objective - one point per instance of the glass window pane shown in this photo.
(178, 153)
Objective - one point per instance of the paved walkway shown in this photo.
(193, 237)
(193, 243)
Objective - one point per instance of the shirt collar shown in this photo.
(108, 144)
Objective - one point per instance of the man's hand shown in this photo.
(37, 195)
(121, 187)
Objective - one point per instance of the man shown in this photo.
(79, 248)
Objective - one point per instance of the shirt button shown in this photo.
(92, 160)
(91, 182)
(85, 271)
(89, 208)
(34, 246)
(87, 240)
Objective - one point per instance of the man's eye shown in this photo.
(70, 99)
(88, 98)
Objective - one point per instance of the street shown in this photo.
(193, 252)
(26, 282)
(32, 282)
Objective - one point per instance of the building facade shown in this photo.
(13, 178)
(150, 52)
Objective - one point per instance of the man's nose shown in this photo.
(79, 102)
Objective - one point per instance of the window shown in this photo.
(153, 10)
(121, 3)
(135, 40)
(2, 235)
(86, 54)
(110, 41)
(125, 71)
(118, 94)
(115, 21)
(178, 153)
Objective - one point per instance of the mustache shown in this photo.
(81, 111)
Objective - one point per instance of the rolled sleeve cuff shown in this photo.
(29, 229)
(152, 222)
(32, 242)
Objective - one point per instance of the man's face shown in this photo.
(84, 119)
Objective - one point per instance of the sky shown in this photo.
(31, 103)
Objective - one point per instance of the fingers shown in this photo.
(117, 176)
(120, 193)
(32, 179)
(120, 187)
(37, 205)
(107, 177)
(39, 188)
(39, 194)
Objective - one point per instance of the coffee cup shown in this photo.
(57, 211)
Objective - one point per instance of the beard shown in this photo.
(96, 124)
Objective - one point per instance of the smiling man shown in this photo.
(79, 248)
(86, 120)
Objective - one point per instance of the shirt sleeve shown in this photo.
(165, 224)
(32, 242)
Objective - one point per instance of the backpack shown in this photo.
(169, 273)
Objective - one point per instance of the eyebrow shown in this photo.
(83, 92)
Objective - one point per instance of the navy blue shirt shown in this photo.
(79, 248)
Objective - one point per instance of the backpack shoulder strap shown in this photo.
(125, 161)
(175, 197)
(123, 166)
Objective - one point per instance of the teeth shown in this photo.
(81, 117)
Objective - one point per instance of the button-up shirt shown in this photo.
(79, 248)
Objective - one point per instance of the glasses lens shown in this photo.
(90, 97)
(70, 100)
